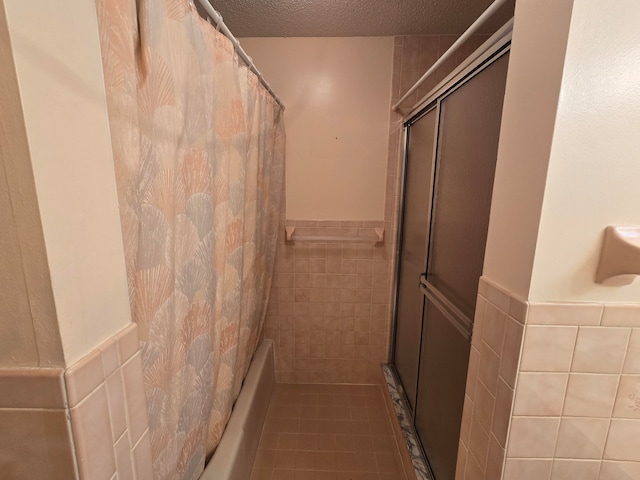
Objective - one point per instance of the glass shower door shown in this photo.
(468, 135)
(413, 257)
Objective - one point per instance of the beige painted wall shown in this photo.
(59, 71)
(568, 161)
(28, 325)
(530, 105)
(594, 169)
(337, 94)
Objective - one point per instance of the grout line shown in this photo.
(626, 352)
(525, 328)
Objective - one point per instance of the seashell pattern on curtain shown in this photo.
(198, 148)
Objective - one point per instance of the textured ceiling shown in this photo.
(347, 18)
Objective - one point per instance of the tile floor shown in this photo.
(327, 432)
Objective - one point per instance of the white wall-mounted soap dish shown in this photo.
(620, 258)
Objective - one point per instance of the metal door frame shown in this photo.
(465, 75)
(401, 214)
(482, 58)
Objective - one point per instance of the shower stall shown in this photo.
(451, 143)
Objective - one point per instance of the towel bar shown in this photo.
(292, 237)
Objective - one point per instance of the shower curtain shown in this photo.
(198, 147)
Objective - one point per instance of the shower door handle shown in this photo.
(457, 318)
(423, 282)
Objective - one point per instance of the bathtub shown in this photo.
(233, 459)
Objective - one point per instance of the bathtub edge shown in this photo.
(233, 459)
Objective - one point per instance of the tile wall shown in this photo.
(491, 379)
(105, 394)
(330, 306)
(328, 312)
(88, 422)
(35, 433)
(577, 405)
(553, 391)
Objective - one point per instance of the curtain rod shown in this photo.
(220, 25)
(468, 32)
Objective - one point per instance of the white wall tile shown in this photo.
(548, 348)
(92, 436)
(568, 314)
(590, 395)
(533, 437)
(622, 442)
(628, 398)
(600, 349)
(540, 394)
(575, 469)
(581, 437)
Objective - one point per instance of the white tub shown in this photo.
(233, 459)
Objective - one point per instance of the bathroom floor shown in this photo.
(327, 432)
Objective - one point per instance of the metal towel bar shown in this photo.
(292, 237)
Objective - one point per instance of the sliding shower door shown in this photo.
(454, 212)
(413, 244)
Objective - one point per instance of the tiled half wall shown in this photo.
(328, 313)
(491, 378)
(88, 422)
(553, 391)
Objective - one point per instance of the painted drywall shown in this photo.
(17, 338)
(337, 94)
(59, 71)
(29, 334)
(594, 169)
(528, 118)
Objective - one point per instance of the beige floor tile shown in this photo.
(327, 432)
(280, 474)
(326, 442)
